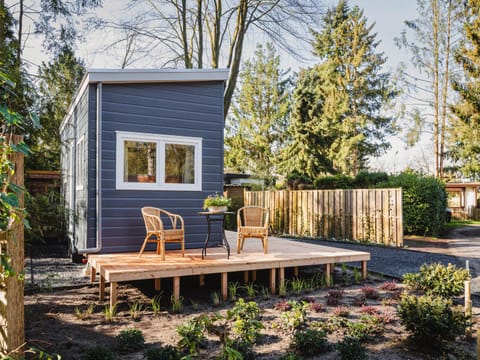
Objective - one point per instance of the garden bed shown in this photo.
(71, 322)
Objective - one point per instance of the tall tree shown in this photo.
(465, 127)
(58, 81)
(435, 32)
(200, 33)
(337, 120)
(258, 121)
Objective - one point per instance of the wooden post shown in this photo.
(101, 288)
(12, 315)
(364, 270)
(328, 275)
(272, 281)
(93, 274)
(281, 277)
(468, 305)
(113, 294)
(176, 287)
(158, 284)
(224, 286)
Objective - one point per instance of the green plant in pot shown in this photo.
(217, 203)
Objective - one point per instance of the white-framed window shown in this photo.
(80, 163)
(158, 162)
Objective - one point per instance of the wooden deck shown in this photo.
(283, 253)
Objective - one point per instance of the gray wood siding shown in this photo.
(181, 109)
(92, 167)
(76, 199)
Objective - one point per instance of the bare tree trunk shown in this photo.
(182, 17)
(215, 30)
(446, 81)
(436, 91)
(200, 34)
(20, 30)
(240, 31)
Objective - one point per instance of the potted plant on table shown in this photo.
(217, 203)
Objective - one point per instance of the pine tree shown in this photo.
(465, 129)
(258, 121)
(59, 80)
(337, 121)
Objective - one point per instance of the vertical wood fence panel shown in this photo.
(366, 215)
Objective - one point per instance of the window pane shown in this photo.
(140, 160)
(179, 164)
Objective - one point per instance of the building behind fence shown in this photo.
(366, 215)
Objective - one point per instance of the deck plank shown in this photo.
(283, 253)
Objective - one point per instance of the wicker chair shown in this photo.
(252, 222)
(157, 233)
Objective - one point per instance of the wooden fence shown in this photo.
(370, 215)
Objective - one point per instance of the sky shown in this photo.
(388, 16)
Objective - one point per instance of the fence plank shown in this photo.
(367, 215)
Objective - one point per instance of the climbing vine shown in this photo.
(11, 124)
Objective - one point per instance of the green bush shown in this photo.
(438, 279)
(246, 321)
(351, 348)
(334, 182)
(47, 217)
(431, 320)
(366, 180)
(167, 352)
(310, 342)
(99, 352)
(192, 334)
(424, 202)
(130, 340)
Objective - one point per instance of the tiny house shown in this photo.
(463, 199)
(135, 138)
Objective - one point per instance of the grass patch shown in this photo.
(459, 223)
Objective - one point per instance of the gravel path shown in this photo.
(393, 261)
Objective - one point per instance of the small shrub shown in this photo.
(308, 299)
(438, 279)
(135, 310)
(431, 320)
(359, 330)
(310, 342)
(233, 290)
(341, 311)
(315, 307)
(351, 348)
(295, 318)
(130, 340)
(332, 301)
(177, 304)
(244, 349)
(192, 334)
(336, 293)
(155, 304)
(283, 305)
(166, 352)
(359, 300)
(370, 292)
(389, 286)
(99, 352)
(370, 310)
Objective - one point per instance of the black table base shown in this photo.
(216, 217)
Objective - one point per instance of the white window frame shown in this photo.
(161, 141)
(80, 163)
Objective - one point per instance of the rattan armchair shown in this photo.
(252, 222)
(154, 219)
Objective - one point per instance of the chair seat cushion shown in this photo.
(252, 230)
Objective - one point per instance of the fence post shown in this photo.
(12, 336)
